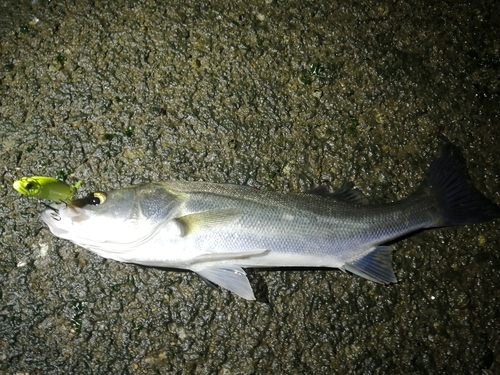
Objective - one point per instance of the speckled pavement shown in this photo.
(281, 95)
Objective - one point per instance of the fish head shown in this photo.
(113, 221)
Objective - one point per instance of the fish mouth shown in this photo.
(61, 217)
(52, 211)
(52, 218)
(64, 212)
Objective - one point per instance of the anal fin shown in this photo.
(375, 266)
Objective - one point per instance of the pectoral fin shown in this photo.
(375, 266)
(232, 278)
(206, 220)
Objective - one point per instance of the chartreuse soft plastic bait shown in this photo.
(44, 187)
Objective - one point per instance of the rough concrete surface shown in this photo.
(281, 95)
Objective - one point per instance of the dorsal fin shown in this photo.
(347, 193)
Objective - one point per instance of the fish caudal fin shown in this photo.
(457, 202)
(448, 181)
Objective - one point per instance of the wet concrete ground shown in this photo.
(278, 95)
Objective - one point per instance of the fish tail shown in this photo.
(456, 200)
(449, 183)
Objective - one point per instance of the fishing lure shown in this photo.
(44, 187)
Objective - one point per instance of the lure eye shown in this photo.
(97, 198)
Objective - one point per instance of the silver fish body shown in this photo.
(216, 229)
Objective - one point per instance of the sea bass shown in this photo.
(216, 230)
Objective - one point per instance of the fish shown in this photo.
(218, 230)
(43, 187)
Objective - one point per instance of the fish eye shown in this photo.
(29, 186)
(93, 199)
(97, 198)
